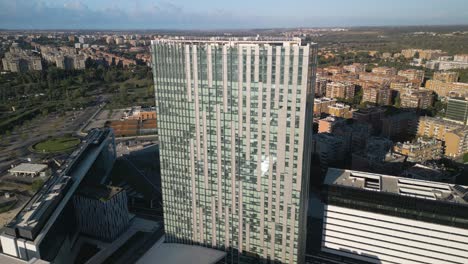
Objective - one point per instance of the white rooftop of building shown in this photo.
(231, 40)
(398, 185)
(28, 168)
(169, 253)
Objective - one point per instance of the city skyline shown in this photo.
(183, 14)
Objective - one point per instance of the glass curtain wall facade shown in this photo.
(235, 123)
(457, 110)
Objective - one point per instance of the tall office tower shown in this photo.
(385, 219)
(235, 120)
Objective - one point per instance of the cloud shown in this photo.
(149, 14)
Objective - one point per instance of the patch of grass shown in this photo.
(55, 145)
(7, 207)
(36, 185)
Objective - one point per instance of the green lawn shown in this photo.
(58, 144)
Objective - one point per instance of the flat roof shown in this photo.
(28, 168)
(37, 212)
(397, 185)
(170, 253)
(98, 192)
(230, 40)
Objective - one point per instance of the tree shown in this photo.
(357, 97)
(36, 185)
(397, 102)
(465, 158)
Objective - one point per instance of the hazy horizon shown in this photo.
(219, 15)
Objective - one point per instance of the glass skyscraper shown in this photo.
(235, 125)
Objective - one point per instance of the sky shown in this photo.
(227, 14)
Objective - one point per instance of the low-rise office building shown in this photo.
(385, 219)
(101, 211)
(30, 170)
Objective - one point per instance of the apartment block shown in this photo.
(461, 58)
(340, 90)
(371, 116)
(416, 99)
(446, 76)
(456, 142)
(330, 123)
(340, 110)
(435, 127)
(334, 70)
(377, 156)
(355, 135)
(18, 60)
(409, 53)
(400, 85)
(320, 86)
(445, 89)
(382, 79)
(384, 70)
(377, 95)
(330, 148)
(421, 150)
(355, 68)
(235, 126)
(400, 125)
(412, 74)
(321, 105)
(379, 218)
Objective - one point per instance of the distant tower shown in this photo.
(235, 125)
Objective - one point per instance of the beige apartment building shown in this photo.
(421, 150)
(384, 70)
(461, 58)
(340, 90)
(417, 99)
(321, 105)
(340, 110)
(400, 85)
(446, 76)
(330, 123)
(377, 95)
(355, 68)
(435, 127)
(456, 142)
(320, 86)
(412, 74)
(383, 79)
(444, 88)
